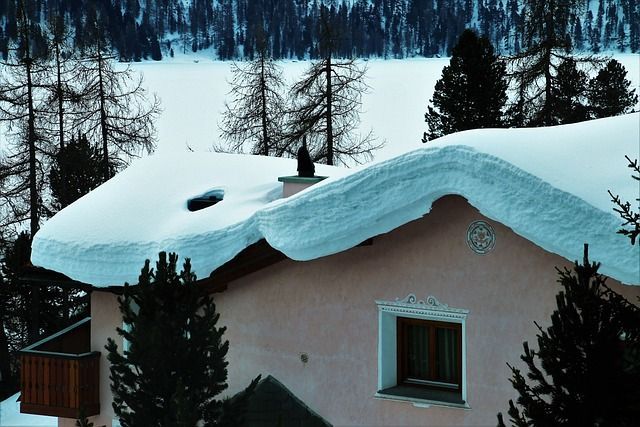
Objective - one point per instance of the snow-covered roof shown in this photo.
(547, 184)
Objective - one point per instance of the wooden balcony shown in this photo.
(60, 375)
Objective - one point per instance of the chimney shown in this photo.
(306, 173)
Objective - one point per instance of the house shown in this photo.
(390, 294)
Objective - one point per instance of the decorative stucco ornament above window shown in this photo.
(429, 307)
(481, 237)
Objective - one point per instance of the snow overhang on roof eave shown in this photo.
(339, 213)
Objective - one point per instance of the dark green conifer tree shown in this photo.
(76, 170)
(533, 71)
(175, 365)
(471, 92)
(10, 323)
(631, 217)
(82, 420)
(587, 368)
(569, 94)
(28, 313)
(156, 52)
(610, 93)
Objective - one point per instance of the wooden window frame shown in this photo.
(402, 356)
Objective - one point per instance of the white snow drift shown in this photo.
(548, 184)
(10, 415)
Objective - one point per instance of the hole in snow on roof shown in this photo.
(205, 200)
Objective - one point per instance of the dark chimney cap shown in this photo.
(306, 168)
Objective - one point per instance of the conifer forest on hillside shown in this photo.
(152, 29)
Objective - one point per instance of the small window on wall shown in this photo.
(421, 352)
(429, 353)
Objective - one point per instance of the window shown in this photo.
(421, 352)
(429, 353)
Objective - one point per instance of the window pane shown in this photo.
(417, 351)
(447, 355)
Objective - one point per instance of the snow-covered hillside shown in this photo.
(193, 96)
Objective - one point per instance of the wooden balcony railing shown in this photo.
(59, 375)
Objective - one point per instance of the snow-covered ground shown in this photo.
(193, 95)
(10, 415)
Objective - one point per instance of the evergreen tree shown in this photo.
(29, 311)
(634, 29)
(76, 170)
(471, 92)
(597, 31)
(226, 30)
(587, 368)
(156, 53)
(631, 218)
(8, 321)
(175, 364)
(578, 38)
(610, 93)
(379, 28)
(256, 117)
(82, 420)
(569, 94)
(533, 71)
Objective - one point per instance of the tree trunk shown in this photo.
(34, 309)
(329, 104)
(548, 77)
(6, 377)
(103, 120)
(60, 100)
(31, 140)
(263, 113)
(548, 80)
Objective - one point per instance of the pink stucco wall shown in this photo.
(326, 309)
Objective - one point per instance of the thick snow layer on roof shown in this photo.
(10, 415)
(547, 184)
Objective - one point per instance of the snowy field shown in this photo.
(193, 96)
(10, 415)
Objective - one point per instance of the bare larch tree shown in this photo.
(326, 106)
(22, 163)
(21, 160)
(254, 120)
(116, 110)
(61, 100)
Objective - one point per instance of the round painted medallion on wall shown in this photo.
(480, 237)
